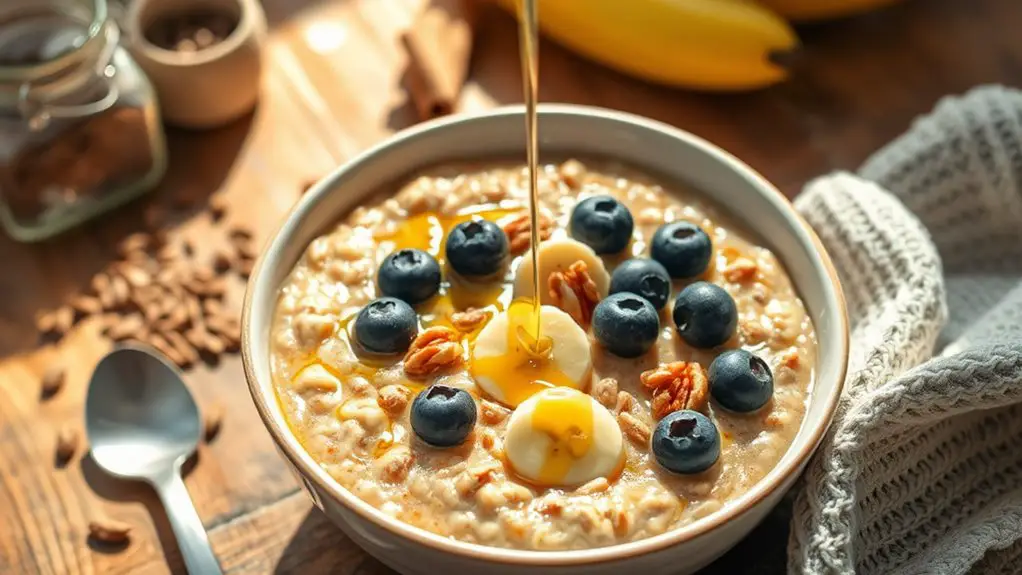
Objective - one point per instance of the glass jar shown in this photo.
(80, 131)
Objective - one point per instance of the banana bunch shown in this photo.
(713, 45)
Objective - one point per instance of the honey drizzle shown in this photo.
(529, 53)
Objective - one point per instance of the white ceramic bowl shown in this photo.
(564, 130)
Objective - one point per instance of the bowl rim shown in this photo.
(303, 462)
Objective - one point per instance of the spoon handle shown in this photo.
(188, 529)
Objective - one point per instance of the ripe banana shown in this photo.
(503, 367)
(562, 437)
(720, 45)
(810, 10)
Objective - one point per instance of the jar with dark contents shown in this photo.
(80, 131)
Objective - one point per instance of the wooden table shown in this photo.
(333, 86)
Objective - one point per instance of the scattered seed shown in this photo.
(136, 276)
(213, 421)
(241, 232)
(46, 322)
(184, 349)
(222, 261)
(217, 207)
(126, 327)
(67, 444)
(107, 530)
(53, 380)
(86, 305)
(121, 290)
(163, 346)
(64, 319)
(137, 242)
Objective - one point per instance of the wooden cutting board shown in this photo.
(332, 87)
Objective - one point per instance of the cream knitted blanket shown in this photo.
(922, 469)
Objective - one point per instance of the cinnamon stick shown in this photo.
(439, 46)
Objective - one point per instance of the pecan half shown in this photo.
(468, 320)
(575, 284)
(676, 385)
(519, 231)
(432, 350)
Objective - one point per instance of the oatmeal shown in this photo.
(670, 371)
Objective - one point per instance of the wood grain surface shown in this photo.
(333, 86)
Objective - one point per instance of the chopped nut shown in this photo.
(572, 172)
(519, 231)
(575, 284)
(394, 398)
(789, 359)
(212, 421)
(625, 401)
(634, 429)
(676, 385)
(598, 485)
(468, 320)
(109, 531)
(551, 507)
(605, 391)
(67, 444)
(740, 270)
(432, 350)
(752, 331)
(394, 464)
(136, 276)
(470, 480)
(53, 380)
(491, 414)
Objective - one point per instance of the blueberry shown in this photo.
(705, 315)
(443, 416)
(643, 277)
(477, 248)
(386, 325)
(684, 249)
(740, 381)
(412, 275)
(626, 324)
(686, 442)
(602, 223)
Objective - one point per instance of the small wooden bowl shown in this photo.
(208, 87)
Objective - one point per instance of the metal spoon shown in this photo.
(143, 424)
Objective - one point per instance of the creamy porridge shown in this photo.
(643, 405)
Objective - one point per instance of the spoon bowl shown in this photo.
(140, 417)
(143, 424)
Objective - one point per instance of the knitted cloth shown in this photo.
(921, 471)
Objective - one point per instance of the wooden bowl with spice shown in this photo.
(203, 56)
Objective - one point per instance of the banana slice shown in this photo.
(556, 256)
(563, 437)
(505, 368)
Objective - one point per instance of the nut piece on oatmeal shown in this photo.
(434, 349)
(634, 429)
(393, 465)
(519, 231)
(740, 270)
(315, 377)
(676, 385)
(394, 398)
(491, 413)
(605, 391)
(575, 283)
(468, 320)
